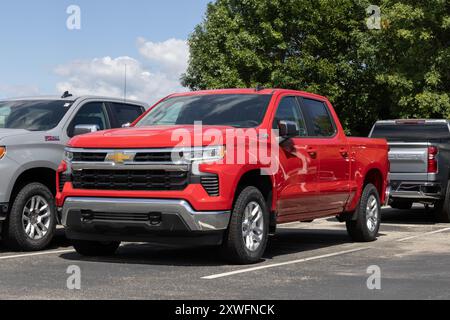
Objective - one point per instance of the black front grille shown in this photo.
(62, 179)
(89, 157)
(153, 157)
(211, 185)
(142, 180)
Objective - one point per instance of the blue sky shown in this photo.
(40, 55)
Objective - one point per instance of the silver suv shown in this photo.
(420, 163)
(33, 134)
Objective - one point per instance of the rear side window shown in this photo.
(125, 113)
(411, 132)
(320, 123)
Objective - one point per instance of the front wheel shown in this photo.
(31, 223)
(95, 248)
(246, 239)
(368, 216)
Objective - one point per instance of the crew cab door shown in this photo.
(333, 155)
(297, 176)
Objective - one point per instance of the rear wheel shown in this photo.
(368, 216)
(401, 204)
(442, 208)
(95, 248)
(246, 238)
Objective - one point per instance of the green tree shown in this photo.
(325, 47)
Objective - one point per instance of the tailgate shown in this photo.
(409, 161)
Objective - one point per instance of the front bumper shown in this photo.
(127, 219)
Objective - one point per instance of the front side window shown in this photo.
(319, 119)
(241, 111)
(289, 110)
(90, 114)
(32, 115)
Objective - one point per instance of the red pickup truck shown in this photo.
(258, 158)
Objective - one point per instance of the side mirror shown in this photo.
(126, 125)
(85, 128)
(288, 129)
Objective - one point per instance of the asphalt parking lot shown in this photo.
(303, 261)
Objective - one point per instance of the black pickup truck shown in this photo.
(420, 163)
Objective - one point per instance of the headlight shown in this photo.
(2, 152)
(68, 156)
(205, 154)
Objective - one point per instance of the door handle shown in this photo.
(312, 153)
(344, 153)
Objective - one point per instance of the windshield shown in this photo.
(32, 115)
(411, 132)
(241, 111)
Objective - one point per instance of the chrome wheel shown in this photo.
(372, 213)
(253, 226)
(36, 218)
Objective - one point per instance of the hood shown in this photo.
(5, 133)
(150, 137)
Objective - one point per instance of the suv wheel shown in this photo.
(368, 216)
(246, 239)
(32, 221)
(95, 248)
(442, 208)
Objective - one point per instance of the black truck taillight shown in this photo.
(432, 159)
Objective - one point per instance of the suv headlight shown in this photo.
(2, 152)
(205, 154)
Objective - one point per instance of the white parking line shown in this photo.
(232, 273)
(423, 235)
(25, 255)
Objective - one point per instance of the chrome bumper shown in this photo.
(194, 220)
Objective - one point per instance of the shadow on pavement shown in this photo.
(287, 241)
(418, 215)
(59, 242)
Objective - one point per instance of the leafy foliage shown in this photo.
(325, 47)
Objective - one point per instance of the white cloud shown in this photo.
(105, 76)
(11, 91)
(172, 55)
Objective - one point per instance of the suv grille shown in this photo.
(211, 185)
(143, 180)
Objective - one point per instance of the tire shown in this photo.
(95, 248)
(359, 229)
(442, 208)
(250, 250)
(31, 235)
(401, 205)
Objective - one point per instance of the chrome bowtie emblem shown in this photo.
(119, 157)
